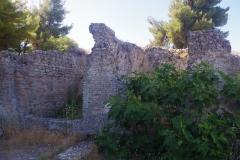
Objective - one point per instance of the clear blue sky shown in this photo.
(128, 18)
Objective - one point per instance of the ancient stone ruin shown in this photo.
(33, 85)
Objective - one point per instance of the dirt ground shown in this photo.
(41, 144)
(24, 152)
(35, 144)
(40, 153)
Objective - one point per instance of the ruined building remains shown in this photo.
(34, 85)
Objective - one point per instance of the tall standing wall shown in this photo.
(109, 60)
(37, 83)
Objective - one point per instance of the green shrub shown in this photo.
(72, 109)
(172, 115)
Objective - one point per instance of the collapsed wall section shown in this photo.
(36, 84)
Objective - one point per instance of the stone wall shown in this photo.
(110, 59)
(155, 56)
(33, 85)
(211, 47)
(37, 83)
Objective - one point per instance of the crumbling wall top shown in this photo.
(102, 35)
(207, 40)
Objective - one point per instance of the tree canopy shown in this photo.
(52, 13)
(60, 44)
(23, 28)
(16, 24)
(185, 16)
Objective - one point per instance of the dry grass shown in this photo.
(55, 142)
(37, 136)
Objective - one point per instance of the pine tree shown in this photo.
(185, 16)
(17, 26)
(12, 24)
(158, 32)
(32, 22)
(52, 13)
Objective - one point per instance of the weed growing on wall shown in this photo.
(173, 115)
(72, 109)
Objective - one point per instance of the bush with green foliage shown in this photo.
(59, 44)
(173, 115)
